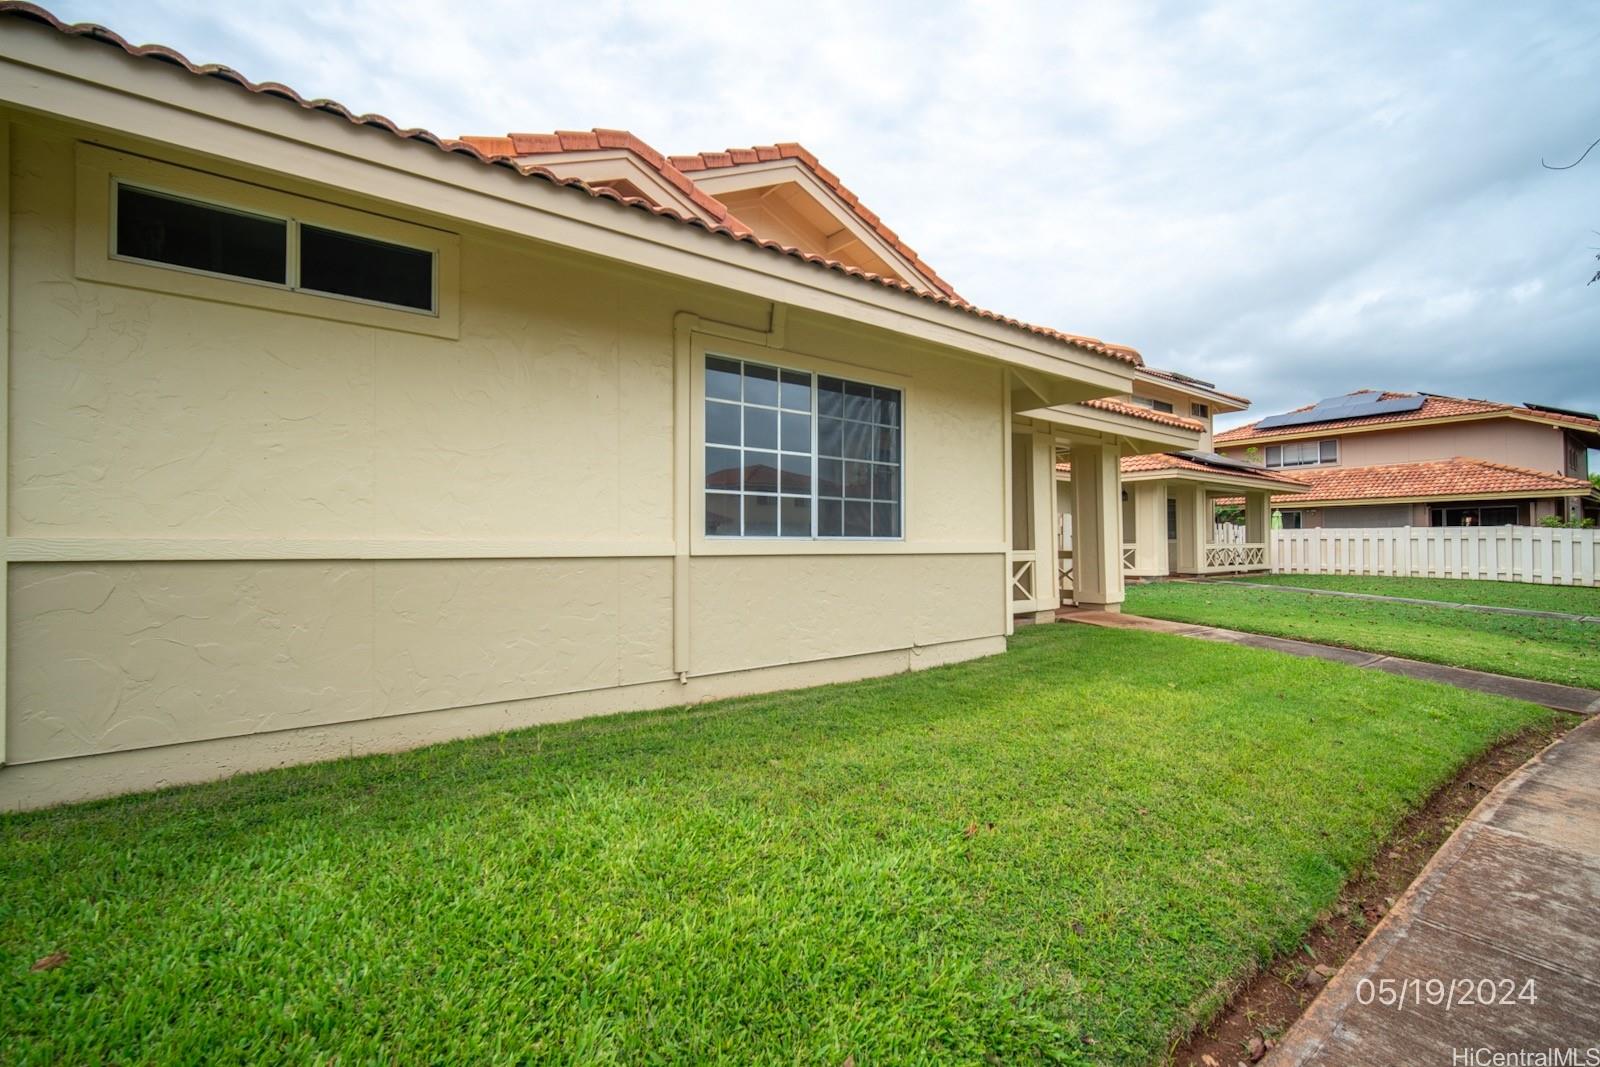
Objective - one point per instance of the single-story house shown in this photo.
(330, 436)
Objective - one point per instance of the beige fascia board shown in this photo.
(102, 87)
(1037, 393)
(1581, 431)
(1138, 436)
(1219, 404)
(599, 166)
(1219, 482)
(756, 175)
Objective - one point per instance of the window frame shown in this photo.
(1315, 444)
(714, 345)
(1164, 406)
(114, 217)
(102, 171)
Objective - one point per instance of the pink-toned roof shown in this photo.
(1433, 407)
(163, 54)
(1139, 411)
(1430, 479)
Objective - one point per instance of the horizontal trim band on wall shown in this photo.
(177, 549)
(84, 777)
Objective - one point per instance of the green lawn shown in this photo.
(1060, 854)
(1572, 599)
(1552, 650)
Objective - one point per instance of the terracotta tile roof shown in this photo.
(1184, 379)
(1433, 407)
(1172, 461)
(1161, 461)
(163, 54)
(1139, 411)
(1429, 479)
(737, 157)
(521, 145)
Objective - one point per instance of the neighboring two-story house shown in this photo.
(1169, 499)
(1383, 459)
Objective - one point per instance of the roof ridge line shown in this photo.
(100, 34)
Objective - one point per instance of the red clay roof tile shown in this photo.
(1139, 411)
(1160, 461)
(1462, 476)
(1433, 407)
(475, 149)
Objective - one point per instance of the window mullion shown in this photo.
(291, 269)
(816, 457)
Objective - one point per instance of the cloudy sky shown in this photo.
(1291, 200)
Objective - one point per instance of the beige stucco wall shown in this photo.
(141, 418)
(1182, 404)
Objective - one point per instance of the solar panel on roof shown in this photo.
(1211, 459)
(1354, 406)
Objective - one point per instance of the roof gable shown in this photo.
(779, 193)
(785, 183)
(169, 60)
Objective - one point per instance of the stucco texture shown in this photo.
(138, 414)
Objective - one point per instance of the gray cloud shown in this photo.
(1294, 201)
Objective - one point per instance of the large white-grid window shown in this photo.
(795, 454)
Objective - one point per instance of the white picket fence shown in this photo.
(1490, 553)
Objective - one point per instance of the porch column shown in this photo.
(1149, 528)
(1258, 526)
(1257, 516)
(1195, 522)
(1047, 588)
(1096, 527)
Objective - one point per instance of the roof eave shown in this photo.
(1136, 436)
(1554, 493)
(86, 82)
(1213, 478)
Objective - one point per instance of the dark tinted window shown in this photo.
(345, 265)
(187, 233)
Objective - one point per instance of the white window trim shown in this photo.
(101, 170)
(1316, 444)
(703, 344)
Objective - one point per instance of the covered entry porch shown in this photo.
(1067, 535)
(1169, 505)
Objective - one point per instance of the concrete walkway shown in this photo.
(1487, 609)
(1549, 694)
(1507, 912)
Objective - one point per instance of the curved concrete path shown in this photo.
(1509, 907)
